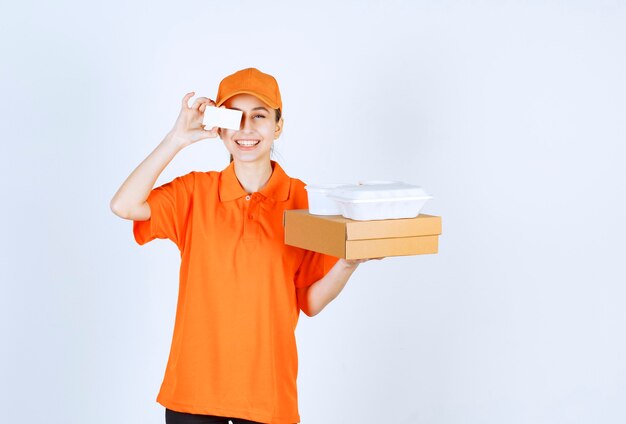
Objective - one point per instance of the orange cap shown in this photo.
(250, 81)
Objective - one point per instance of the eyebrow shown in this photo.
(256, 108)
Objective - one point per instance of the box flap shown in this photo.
(422, 225)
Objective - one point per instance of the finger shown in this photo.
(186, 99)
(200, 101)
(196, 104)
(204, 105)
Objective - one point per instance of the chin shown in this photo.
(250, 158)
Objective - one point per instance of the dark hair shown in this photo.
(278, 116)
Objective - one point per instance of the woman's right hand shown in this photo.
(188, 127)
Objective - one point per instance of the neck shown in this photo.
(252, 175)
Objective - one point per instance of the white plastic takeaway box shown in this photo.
(380, 201)
(319, 202)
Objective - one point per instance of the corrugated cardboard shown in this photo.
(345, 238)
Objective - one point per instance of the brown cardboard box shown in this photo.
(345, 238)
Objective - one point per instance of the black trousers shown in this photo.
(174, 417)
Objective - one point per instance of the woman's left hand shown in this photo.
(353, 263)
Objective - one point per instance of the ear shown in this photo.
(279, 128)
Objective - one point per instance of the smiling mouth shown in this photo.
(247, 143)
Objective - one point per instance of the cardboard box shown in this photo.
(344, 238)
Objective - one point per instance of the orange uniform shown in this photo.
(233, 351)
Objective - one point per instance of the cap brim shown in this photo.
(257, 95)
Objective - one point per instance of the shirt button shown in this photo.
(247, 197)
(250, 217)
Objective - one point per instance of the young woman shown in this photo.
(233, 354)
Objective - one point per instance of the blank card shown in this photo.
(222, 118)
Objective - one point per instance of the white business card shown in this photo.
(222, 118)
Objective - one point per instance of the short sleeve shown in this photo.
(313, 267)
(169, 209)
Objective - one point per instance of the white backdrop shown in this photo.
(512, 114)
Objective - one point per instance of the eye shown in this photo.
(259, 116)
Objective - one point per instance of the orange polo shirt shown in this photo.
(233, 351)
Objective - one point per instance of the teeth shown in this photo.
(247, 143)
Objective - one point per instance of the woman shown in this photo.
(233, 354)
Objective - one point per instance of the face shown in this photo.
(253, 141)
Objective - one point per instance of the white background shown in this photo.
(511, 114)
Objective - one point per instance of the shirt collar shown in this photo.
(277, 188)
